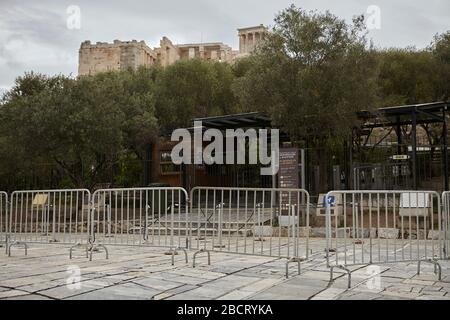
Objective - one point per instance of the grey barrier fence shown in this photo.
(377, 227)
(251, 221)
(446, 213)
(361, 227)
(48, 216)
(153, 217)
(3, 217)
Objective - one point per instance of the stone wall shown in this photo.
(120, 55)
(168, 53)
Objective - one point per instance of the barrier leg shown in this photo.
(437, 267)
(6, 244)
(76, 246)
(71, 249)
(96, 246)
(298, 260)
(175, 251)
(201, 251)
(17, 244)
(349, 273)
(185, 255)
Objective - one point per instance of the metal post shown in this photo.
(109, 219)
(303, 181)
(147, 207)
(53, 225)
(219, 230)
(399, 142)
(302, 178)
(414, 148)
(274, 186)
(294, 231)
(445, 147)
(399, 135)
(45, 221)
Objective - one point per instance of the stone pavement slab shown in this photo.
(147, 273)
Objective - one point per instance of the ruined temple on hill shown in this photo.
(121, 55)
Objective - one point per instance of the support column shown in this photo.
(399, 135)
(253, 41)
(414, 148)
(399, 143)
(445, 148)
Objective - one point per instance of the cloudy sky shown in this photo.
(43, 35)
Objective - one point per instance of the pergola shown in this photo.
(234, 121)
(412, 115)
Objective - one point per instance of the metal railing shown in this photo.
(361, 227)
(3, 218)
(155, 217)
(250, 221)
(48, 216)
(446, 216)
(377, 227)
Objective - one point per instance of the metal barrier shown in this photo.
(3, 218)
(256, 221)
(140, 217)
(446, 214)
(48, 216)
(376, 227)
(362, 227)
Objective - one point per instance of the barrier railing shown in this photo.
(48, 216)
(361, 227)
(3, 218)
(255, 221)
(446, 214)
(154, 217)
(376, 227)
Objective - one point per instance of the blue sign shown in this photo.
(330, 201)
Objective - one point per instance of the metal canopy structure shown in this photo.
(236, 174)
(250, 120)
(233, 121)
(412, 115)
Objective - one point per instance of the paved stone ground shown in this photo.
(146, 273)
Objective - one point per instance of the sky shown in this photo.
(44, 36)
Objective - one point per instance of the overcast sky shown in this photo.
(34, 35)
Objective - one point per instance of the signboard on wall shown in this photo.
(400, 157)
(288, 177)
(288, 168)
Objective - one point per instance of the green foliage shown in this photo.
(130, 170)
(407, 76)
(81, 126)
(193, 88)
(440, 49)
(311, 75)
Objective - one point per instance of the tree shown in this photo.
(440, 48)
(17, 162)
(410, 76)
(311, 75)
(407, 76)
(193, 88)
(81, 126)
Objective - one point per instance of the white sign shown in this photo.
(400, 157)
